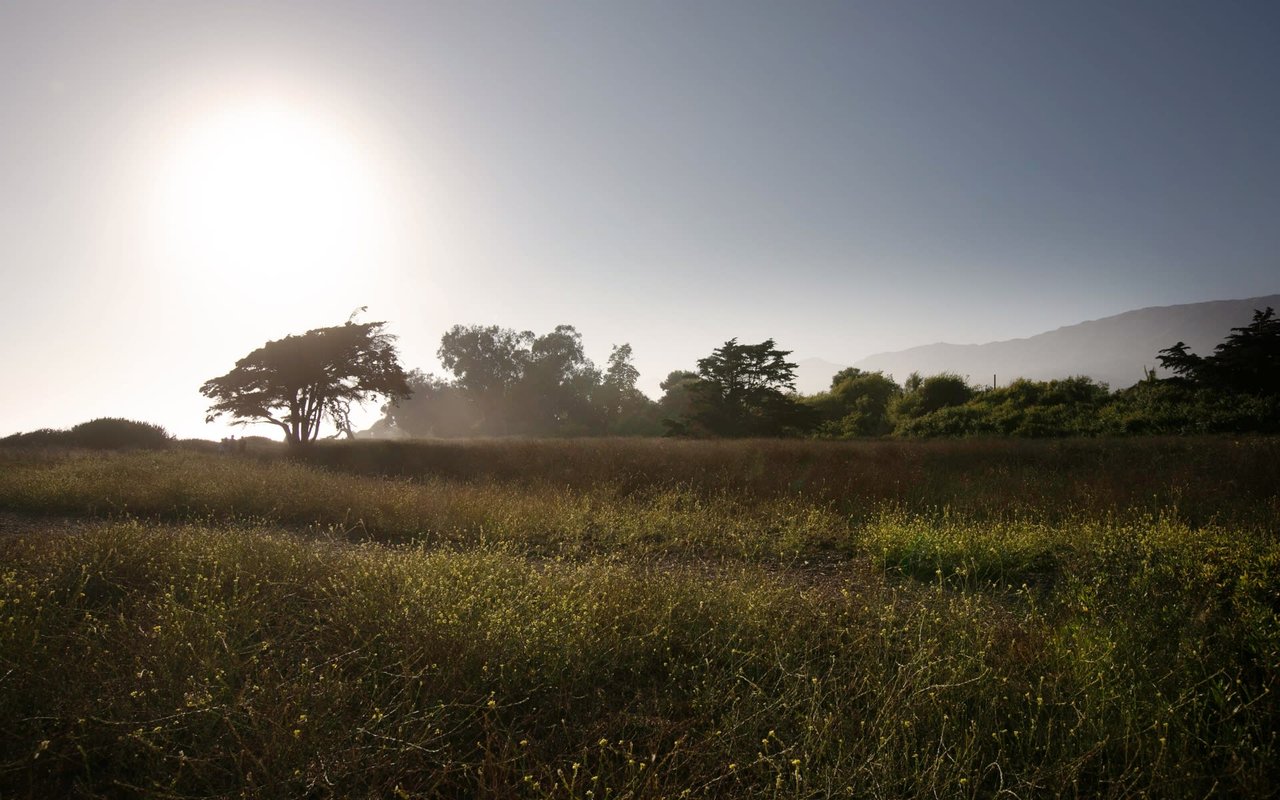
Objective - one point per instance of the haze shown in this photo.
(181, 182)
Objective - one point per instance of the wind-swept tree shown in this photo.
(297, 382)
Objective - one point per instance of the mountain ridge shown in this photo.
(1115, 350)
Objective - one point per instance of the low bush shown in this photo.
(105, 433)
(113, 433)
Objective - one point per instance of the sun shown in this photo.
(269, 198)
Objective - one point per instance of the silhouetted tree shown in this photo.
(1246, 362)
(555, 392)
(677, 393)
(295, 383)
(487, 362)
(675, 406)
(541, 385)
(437, 408)
(742, 390)
(618, 385)
(621, 375)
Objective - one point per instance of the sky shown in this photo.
(181, 182)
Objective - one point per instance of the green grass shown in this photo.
(593, 627)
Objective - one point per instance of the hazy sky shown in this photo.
(180, 182)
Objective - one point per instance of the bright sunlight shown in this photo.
(268, 198)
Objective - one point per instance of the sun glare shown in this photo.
(266, 198)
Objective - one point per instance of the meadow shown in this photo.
(643, 619)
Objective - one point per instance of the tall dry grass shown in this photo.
(987, 619)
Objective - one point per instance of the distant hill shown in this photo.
(1112, 349)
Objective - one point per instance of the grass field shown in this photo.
(644, 619)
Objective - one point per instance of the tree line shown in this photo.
(503, 382)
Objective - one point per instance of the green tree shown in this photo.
(618, 396)
(747, 390)
(555, 393)
(297, 382)
(487, 362)
(926, 395)
(857, 404)
(675, 406)
(521, 383)
(485, 359)
(1065, 407)
(621, 375)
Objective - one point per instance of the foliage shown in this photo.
(509, 382)
(1235, 390)
(923, 396)
(113, 433)
(1022, 408)
(617, 392)
(621, 375)
(1246, 362)
(557, 391)
(436, 408)
(856, 406)
(106, 433)
(742, 390)
(676, 403)
(299, 381)
(1176, 407)
(41, 437)
(487, 362)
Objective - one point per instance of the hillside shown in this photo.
(1114, 349)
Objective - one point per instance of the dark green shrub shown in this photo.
(927, 395)
(44, 437)
(963, 420)
(114, 433)
(106, 433)
(857, 405)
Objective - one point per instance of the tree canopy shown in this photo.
(1247, 361)
(618, 395)
(297, 382)
(745, 390)
(856, 405)
(923, 396)
(508, 382)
